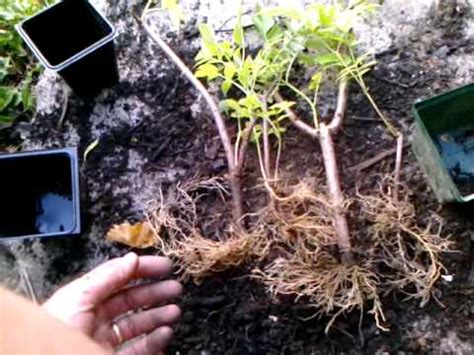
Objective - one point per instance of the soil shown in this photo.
(154, 132)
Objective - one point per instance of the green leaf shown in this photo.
(307, 59)
(345, 21)
(229, 71)
(244, 72)
(230, 103)
(282, 106)
(315, 81)
(202, 56)
(226, 49)
(208, 40)
(326, 59)
(6, 121)
(263, 23)
(327, 15)
(275, 34)
(238, 34)
(207, 33)
(7, 97)
(4, 67)
(175, 12)
(26, 97)
(251, 102)
(225, 86)
(282, 11)
(208, 71)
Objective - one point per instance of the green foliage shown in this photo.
(171, 7)
(325, 39)
(318, 37)
(17, 70)
(247, 80)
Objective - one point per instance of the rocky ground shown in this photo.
(154, 131)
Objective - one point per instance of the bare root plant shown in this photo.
(322, 281)
(397, 252)
(410, 251)
(316, 258)
(176, 225)
(308, 268)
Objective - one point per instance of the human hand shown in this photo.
(99, 304)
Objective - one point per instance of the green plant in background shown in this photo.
(171, 7)
(17, 69)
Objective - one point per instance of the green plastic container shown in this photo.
(444, 143)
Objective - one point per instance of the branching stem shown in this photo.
(324, 134)
(296, 121)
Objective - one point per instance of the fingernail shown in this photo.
(130, 256)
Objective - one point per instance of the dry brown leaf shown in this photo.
(138, 235)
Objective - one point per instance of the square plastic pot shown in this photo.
(40, 194)
(443, 143)
(73, 39)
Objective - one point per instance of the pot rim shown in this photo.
(76, 57)
(72, 153)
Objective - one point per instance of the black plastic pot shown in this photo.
(39, 194)
(75, 40)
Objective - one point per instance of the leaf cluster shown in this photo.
(17, 70)
(249, 80)
(318, 37)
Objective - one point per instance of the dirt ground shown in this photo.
(154, 132)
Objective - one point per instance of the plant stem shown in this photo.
(335, 192)
(234, 176)
(390, 127)
(244, 144)
(375, 159)
(330, 165)
(266, 148)
(298, 123)
(332, 174)
(306, 98)
(398, 166)
(266, 143)
(340, 108)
